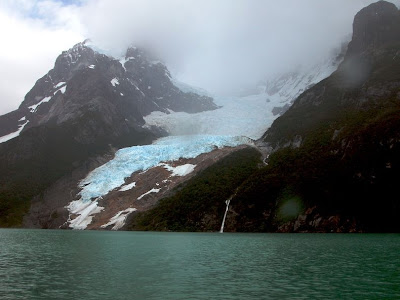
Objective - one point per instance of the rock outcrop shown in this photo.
(85, 107)
(337, 149)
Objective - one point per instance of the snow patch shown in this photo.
(33, 108)
(124, 59)
(14, 134)
(182, 170)
(60, 84)
(114, 82)
(149, 192)
(84, 211)
(62, 89)
(22, 119)
(91, 66)
(119, 219)
(127, 187)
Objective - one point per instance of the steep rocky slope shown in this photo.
(88, 105)
(335, 152)
(334, 156)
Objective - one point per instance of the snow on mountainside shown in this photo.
(137, 85)
(91, 104)
(249, 115)
(86, 107)
(283, 90)
(191, 136)
(112, 175)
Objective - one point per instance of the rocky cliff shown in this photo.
(87, 106)
(334, 154)
(333, 157)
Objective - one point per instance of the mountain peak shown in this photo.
(374, 26)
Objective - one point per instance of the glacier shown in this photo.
(243, 116)
(237, 121)
(112, 174)
(249, 115)
(140, 158)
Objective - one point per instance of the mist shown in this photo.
(222, 45)
(219, 45)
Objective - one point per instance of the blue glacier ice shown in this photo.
(138, 158)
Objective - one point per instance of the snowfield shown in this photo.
(247, 116)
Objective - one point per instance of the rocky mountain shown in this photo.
(331, 160)
(87, 106)
(367, 75)
(334, 154)
(78, 148)
(327, 164)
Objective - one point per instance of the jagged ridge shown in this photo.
(86, 106)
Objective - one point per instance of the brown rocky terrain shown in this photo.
(49, 209)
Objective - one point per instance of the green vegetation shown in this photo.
(44, 154)
(347, 165)
(199, 205)
(348, 162)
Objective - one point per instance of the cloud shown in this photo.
(30, 44)
(215, 44)
(221, 44)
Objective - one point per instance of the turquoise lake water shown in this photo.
(55, 264)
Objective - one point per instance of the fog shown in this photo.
(218, 45)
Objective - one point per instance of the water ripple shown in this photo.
(44, 264)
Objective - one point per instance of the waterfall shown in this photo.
(226, 211)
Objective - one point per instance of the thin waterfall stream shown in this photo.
(226, 211)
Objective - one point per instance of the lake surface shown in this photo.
(55, 264)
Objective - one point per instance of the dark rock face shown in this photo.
(369, 72)
(84, 80)
(374, 26)
(280, 110)
(336, 149)
(88, 104)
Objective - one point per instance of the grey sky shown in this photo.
(214, 44)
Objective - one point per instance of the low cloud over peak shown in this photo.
(216, 44)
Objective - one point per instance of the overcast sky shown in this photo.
(214, 44)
